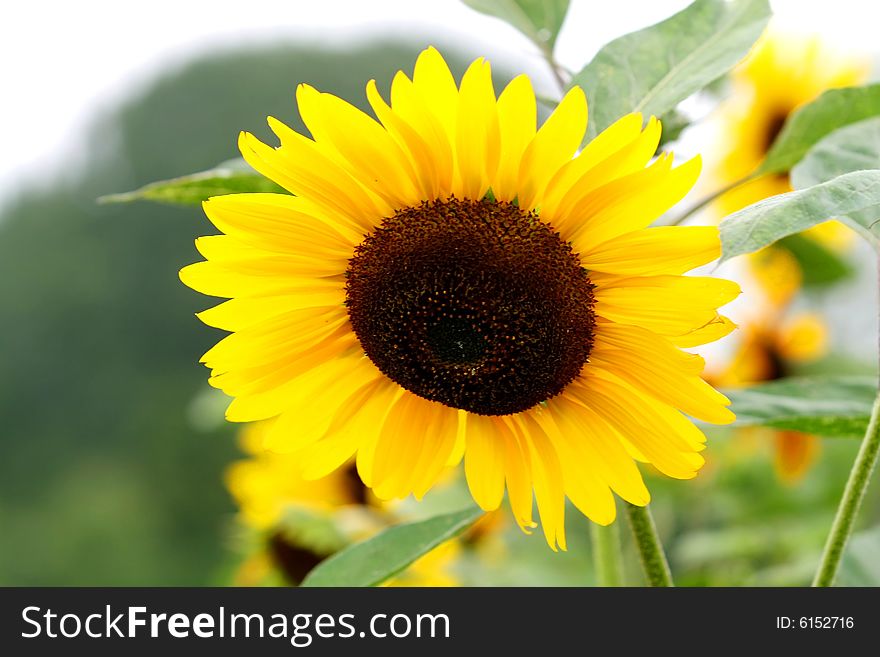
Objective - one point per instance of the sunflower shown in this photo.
(265, 485)
(770, 348)
(450, 282)
(782, 73)
(298, 523)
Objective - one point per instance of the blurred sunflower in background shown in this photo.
(782, 73)
(452, 282)
(770, 348)
(294, 524)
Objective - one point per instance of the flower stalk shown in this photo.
(708, 200)
(606, 554)
(856, 486)
(651, 552)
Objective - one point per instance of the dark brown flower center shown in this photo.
(294, 561)
(473, 304)
(773, 127)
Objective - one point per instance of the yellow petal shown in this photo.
(668, 305)
(410, 105)
(547, 478)
(553, 145)
(299, 166)
(584, 485)
(477, 143)
(413, 447)
(484, 459)
(365, 149)
(397, 449)
(246, 312)
(629, 203)
(265, 391)
(240, 257)
(277, 222)
(714, 330)
(436, 451)
(577, 178)
(663, 436)
(645, 344)
(288, 333)
(517, 118)
(659, 250)
(518, 476)
(436, 86)
(649, 363)
(317, 398)
(217, 280)
(421, 154)
(597, 441)
(619, 135)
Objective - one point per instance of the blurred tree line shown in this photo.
(103, 478)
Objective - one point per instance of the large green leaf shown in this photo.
(539, 20)
(379, 558)
(851, 148)
(835, 407)
(231, 177)
(855, 194)
(806, 126)
(653, 70)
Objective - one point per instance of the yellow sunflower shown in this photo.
(782, 73)
(450, 281)
(266, 485)
(768, 349)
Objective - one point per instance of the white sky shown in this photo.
(64, 61)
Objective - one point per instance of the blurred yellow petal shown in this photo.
(795, 452)
(803, 339)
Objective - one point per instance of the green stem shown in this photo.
(702, 203)
(650, 549)
(555, 68)
(856, 485)
(606, 554)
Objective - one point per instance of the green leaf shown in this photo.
(807, 125)
(309, 528)
(539, 20)
(653, 70)
(231, 177)
(379, 558)
(860, 565)
(851, 148)
(855, 194)
(819, 265)
(834, 407)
